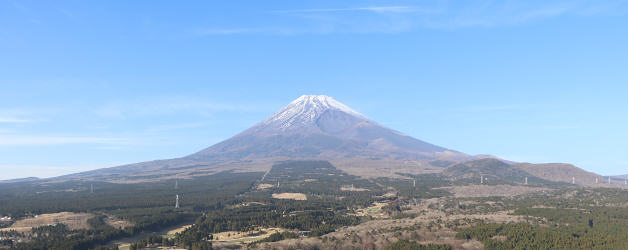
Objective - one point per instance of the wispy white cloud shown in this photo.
(66, 13)
(177, 126)
(610, 7)
(210, 31)
(500, 14)
(31, 140)
(550, 11)
(8, 119)
(376, 9)
(430, 15)
(558, 127)
(27, 12)
(489, 108)
(17, 116)
(238, 31)
(166, 106)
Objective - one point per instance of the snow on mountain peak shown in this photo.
(305, 110)
(322, 103)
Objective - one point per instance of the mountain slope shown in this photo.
(488, 168)
(319, 126)
(560, 172)
(310, 127)
(494, 171)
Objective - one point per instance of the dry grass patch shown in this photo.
(291, 196)
(353, 189)
(246, 204)
(178, 230)
(375, 210)
(390, 194)
(117, 222)
(264, 186)
(73, 221)
(237, 237)
(429, 226)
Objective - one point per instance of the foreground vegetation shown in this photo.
(340, 211)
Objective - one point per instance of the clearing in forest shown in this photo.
(117, 222)
(375, 210)
(231, 237)
(291, 196)
(264, 186)
(73, 221)
(178, 230)
(354, 189)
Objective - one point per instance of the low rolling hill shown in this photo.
(493, 171)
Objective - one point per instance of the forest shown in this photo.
(148, 206)
(560, 217)
(213, 203)
(578, 224)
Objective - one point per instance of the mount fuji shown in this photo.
(310, 127)
(319, 126)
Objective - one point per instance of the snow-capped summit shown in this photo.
(314, 104)
(319, 126)
(311, 112)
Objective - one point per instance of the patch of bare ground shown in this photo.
(246, 204)
(390, 194)
(501, 238)
(117, 222)
(264, 186)
(353, 189)
(230, 238)
(491, 190)
(291, 196)
(178, 230)
(374, 237)
(428, 226)
(374, 211)
(73, 221)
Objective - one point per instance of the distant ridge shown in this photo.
(621, 177)
(26, 179)
(560, 172)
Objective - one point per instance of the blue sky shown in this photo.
(90, 84)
